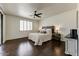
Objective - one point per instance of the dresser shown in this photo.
(70, 45)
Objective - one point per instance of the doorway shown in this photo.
(1, 28)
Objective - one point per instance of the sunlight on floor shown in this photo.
(25, 47)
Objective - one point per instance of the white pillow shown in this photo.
(42, 30)
(48, 31)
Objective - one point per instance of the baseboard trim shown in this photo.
(4, 41)
(16, 39)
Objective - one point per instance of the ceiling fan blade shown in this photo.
(39, 14)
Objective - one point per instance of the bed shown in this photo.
(40, 37)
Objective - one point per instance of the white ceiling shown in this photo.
(26, 9)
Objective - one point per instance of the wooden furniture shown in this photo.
(56, 36)
(49, 27)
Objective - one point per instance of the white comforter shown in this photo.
(39, 38)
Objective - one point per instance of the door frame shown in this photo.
(1, 27)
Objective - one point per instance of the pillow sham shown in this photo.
(49, 31)
(42, 31)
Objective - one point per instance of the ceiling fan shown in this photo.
(37, 14)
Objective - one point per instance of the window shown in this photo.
(25, 25)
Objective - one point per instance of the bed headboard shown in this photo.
(49, 27)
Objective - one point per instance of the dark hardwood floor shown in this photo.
(25, 47)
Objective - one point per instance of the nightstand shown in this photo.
(56, 36)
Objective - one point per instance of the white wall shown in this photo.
(66, 20)
(13, 27)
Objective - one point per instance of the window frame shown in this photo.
(26, 21)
